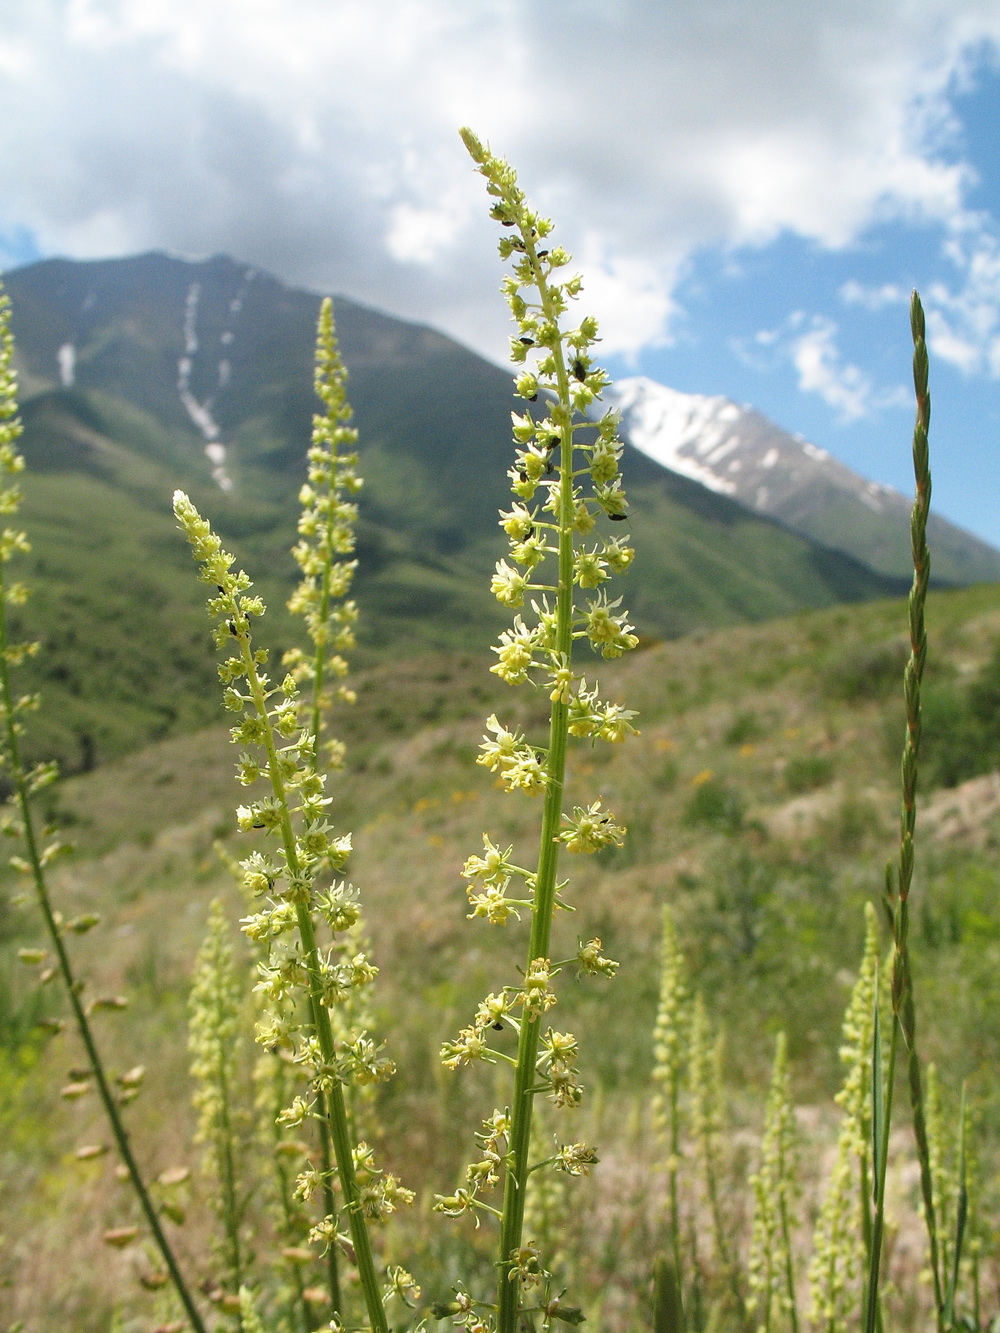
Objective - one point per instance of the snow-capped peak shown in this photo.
(687, 432)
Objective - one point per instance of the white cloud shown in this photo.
(809, 344)
(873, 298)
(318, 139)
(963, 318)
(845, 388)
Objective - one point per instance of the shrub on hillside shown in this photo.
(961, 728)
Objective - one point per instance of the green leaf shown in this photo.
(878, 1100)
(961, 1217)
(569, 1314)
(668, 1316)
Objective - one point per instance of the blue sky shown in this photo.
(750, 190)
(747, 310)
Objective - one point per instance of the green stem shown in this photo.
(73, 988)
(333, 1099)
(231, 1209)
(287, 1213)
(902, 991)
(330, 1204)
(515, 1182)
(675, 1221)
(866, 1224)
(872, 1294)
(786, 1237)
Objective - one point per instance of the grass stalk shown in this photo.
(668, 1043)
(883, 1085)
(903, 1006)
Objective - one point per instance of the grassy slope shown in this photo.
(766, 883)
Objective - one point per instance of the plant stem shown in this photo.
(786, 1238)
(73, 987)
(872, 1295)
(231, 1209)
(330, 1205)
(902, 989)
(675, 1221)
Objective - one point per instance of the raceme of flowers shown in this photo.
(564, 480)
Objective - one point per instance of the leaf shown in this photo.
(667, 1312)
(878, 1100)
(119, 1237)
(569, 1314)
(961, 1217)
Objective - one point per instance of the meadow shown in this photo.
(761, 798)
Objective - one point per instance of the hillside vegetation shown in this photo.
(761, 804)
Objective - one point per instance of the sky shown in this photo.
(750, 190)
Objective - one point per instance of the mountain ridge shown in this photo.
(737, 451)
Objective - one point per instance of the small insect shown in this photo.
(232, 629)
(526, 342)
(543, 254)
(498, 1026)
(618, 518)
(579, 370)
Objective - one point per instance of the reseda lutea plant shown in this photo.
(551, 516)
(300, 980)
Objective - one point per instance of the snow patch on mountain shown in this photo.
(66, 358)
(687, 433)
(736, 451)
(201, 412)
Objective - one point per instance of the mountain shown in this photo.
(143, 374)
(736, 451)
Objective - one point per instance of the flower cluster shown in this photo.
(13, 542)
(491, 876)
(557, 448)
(771, 1265)
(838, 1255)
(326, 531)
